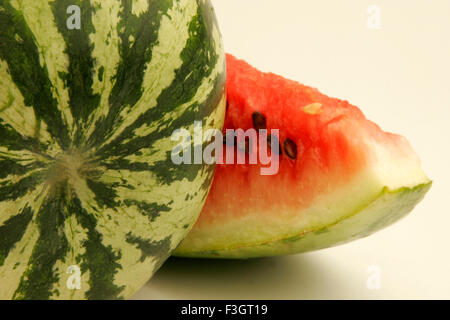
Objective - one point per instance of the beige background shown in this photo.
(400, 77)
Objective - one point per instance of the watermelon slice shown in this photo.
(340, 176)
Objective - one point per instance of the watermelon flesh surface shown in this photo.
(340, 176)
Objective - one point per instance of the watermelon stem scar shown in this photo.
(70, 168)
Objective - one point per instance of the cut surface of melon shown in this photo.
(347, 180)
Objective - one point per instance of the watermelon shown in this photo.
(90, 93)
(339, 177)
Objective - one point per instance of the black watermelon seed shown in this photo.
(225, 140)
(244, 146)
(290, 148)
(259, 121)
(269, 143)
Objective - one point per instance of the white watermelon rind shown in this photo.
(382, 211)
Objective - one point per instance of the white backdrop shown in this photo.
(397, 70)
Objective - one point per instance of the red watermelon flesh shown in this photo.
(340, 176)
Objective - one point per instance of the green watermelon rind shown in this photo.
(386, 208)
(88, 189)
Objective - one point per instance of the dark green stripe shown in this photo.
(12, 232)
(151, 210)
(199, 59)
(79, 77)
(105, 194)
(166, 170)
(13, 140)
(127, 164)
(37, 282)
(14, 191)
(197, 54)
(8, 167)
(134, 57)
(158, 250)
(100, 260)
(19, 50)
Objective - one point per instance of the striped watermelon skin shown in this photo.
(86, 118)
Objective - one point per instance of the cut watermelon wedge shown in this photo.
(340, 176)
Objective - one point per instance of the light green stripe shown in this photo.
(207, 86)
(105, 41)
(50, 43)
(76, 236)
(37, 281)
(17, 261)
(139, 7)
(21, 118)
(10, 207)
(160, 71)
(138, 37)
(12, 231)
(110, 237)
(18, 48)
(143, 189)
(130, 219)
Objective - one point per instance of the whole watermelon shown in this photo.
(91, 203)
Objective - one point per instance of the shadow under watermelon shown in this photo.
(304, 276)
